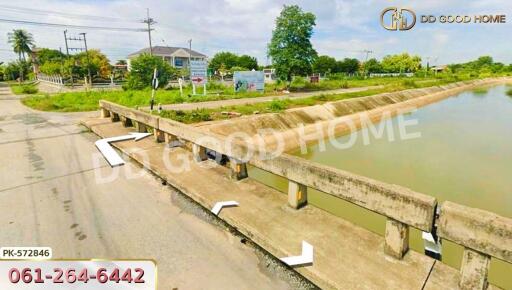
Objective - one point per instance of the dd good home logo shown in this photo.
(393, 18)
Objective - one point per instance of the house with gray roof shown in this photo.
(176, 56)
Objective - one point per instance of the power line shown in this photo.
(58, 13)
(72, 26)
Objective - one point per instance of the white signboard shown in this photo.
(249, 81)
(198, 72)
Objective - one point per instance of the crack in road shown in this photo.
(52, 178)
(41, 138)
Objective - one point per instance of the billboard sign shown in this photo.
(198, 72)
(249, 81)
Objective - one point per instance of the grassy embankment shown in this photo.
(275, 106)
(88, 101)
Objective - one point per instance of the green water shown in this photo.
(464, 154)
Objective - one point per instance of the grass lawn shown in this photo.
(23, 88)
(88, 101)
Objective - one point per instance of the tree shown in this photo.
(237, 68)
(228, 59)
(401, 63)
(372, 66)
(484, 61)
(98, 63)
(247, 62)
(52, 68)
(16, 69)
(50, 61)
(347, 65)
(2, 72)
(45, 55)
(290, 47)
(142, 69)
(21, 42)
(482, 65)
(324, 64)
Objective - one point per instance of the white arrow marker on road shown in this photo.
(109, 153)
(219, 205)
(305, 259)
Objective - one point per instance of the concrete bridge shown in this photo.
(346, 256)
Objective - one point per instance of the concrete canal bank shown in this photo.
(307, 125)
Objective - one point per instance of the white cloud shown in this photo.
(245, 26)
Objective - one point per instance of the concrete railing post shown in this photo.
(127, 122)
(105, 113)
(474, 269)
(199, 153)
(396, 239)
(159, 135)
(297, 194)
(171, 140)
(114, 117)
(238, 169)
(139, 127)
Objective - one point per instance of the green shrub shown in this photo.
(337, 76)
(195, 116)
(321, 98)
(409, 84)
(297, 83)
(215, 86)
(344, 85)
(509, 92)
(24, 89)
(141, 73)
(29, 89)
(278, 105)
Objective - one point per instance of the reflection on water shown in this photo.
(464, 155)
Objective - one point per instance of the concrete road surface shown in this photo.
(248, 101)
(57, 191)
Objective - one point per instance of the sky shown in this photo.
(343, 28)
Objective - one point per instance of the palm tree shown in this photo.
(21, 41)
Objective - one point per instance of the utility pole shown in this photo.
(81, 38)
(428, 65)
(368, 52)
(67, 54)
(190, 66)
(190, 56)
(88, 61)
(149, 21)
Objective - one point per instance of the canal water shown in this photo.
(459, 149)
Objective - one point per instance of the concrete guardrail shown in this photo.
(483, 234)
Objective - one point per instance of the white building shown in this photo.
(176, 56)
